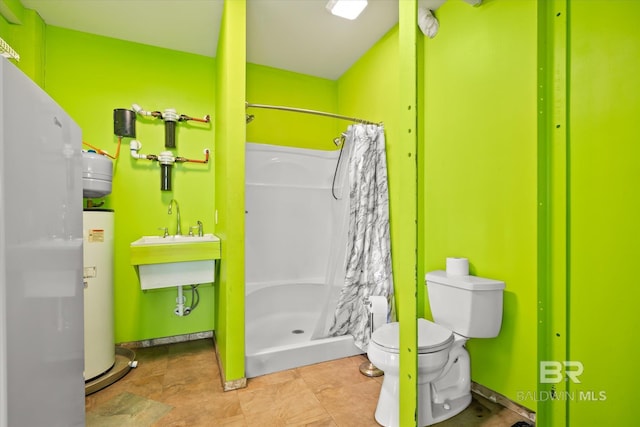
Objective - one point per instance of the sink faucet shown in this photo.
(196, 227)
(178, 230)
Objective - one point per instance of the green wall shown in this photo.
(266, 85)
(89, 76)
(23, 30)
(379, 87)
(370, 90)
(479, 148)
(604, 209)
(230, 166)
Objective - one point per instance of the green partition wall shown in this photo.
(552, 209)
(230, 166)
(403, 185)
(590, 231)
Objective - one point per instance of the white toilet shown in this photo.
(463, 307)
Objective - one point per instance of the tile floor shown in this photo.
(179, 385)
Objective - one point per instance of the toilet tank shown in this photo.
(467, 305)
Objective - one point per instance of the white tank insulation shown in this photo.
(99, 340)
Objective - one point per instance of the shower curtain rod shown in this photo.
(318, 113)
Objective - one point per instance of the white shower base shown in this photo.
(280, 320)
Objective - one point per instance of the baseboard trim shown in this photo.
(227, 385)
(167, 340)
(498, 398)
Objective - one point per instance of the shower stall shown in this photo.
(295, 243)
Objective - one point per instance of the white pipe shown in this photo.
(179, 311)
(138, 109)
(134, 147)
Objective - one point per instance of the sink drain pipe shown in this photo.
(179, 311)
(182, 309)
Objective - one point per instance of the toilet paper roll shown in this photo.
(379, 310)
(457, 266)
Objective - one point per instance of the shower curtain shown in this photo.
(367, 257)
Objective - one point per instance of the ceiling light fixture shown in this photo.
(348, 9)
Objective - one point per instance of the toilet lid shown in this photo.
(431, 337)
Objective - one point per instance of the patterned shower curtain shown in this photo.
(368, 263)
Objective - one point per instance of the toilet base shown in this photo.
(387, 411)
(440, 413)
(439, 398)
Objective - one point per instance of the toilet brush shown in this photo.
(367, 368)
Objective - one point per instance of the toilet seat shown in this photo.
(431, 337)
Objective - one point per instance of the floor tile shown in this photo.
(127, 410)
(184, 379)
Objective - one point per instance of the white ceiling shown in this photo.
(295, 35)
